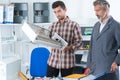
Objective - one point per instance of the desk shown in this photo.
(77, 77)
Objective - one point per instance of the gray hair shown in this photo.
(102, 3)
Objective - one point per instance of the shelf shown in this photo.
(81, 57)
(82, 65)
(39, 24)
(9, 25)
(86, 38)
(7, 41)
(42, 23)
(81, 52)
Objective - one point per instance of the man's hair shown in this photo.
(102, 3)
(57, 4)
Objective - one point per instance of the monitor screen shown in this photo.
(86, 30)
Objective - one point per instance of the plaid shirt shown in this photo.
(70, 32)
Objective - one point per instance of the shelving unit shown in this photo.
(41, 12)
(81, 58)
(81, 54)
(9, 53)
(8, 39)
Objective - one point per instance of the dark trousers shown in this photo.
(53, 72)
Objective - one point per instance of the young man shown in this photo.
(63, 59)
(103, 55)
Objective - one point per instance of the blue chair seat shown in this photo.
(38, 62)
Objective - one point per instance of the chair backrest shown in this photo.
(38, 62)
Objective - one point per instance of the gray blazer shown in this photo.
(104, 47)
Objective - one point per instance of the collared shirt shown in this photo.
(103, 24)
(70, 32)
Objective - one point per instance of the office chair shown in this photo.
(38, 62)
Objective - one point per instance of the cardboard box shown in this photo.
(9, 68)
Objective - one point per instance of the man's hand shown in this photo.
(114, 66)
(87, 70)
(68, 48)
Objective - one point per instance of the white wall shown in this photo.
(115, 9)
(80, 11)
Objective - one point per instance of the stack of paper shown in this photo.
(89, 77)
